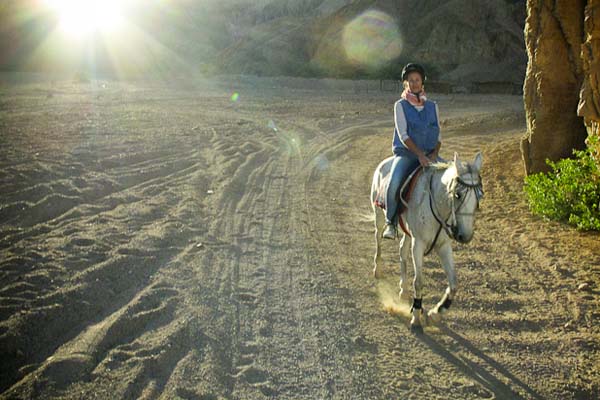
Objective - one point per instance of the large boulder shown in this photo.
(589, 103)
(553, 37)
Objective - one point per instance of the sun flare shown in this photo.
(79, 18)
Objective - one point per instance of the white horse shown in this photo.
(441, 208)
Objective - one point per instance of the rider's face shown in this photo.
(415, 83)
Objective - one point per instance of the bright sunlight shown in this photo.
(80, 18)
(102, 37)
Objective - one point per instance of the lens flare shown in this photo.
(235, 97)
(321, 162)
(79, 18)
(271, 124)
(372, 39)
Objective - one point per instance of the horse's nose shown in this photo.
(456, 233)
(461, 237)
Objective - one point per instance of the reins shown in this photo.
(443, 224)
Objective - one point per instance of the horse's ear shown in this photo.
(457, 163)
(478, 161)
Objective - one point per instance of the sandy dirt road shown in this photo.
(176, 241)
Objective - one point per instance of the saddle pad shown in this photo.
(382, 190)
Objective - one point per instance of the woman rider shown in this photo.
(417, 138)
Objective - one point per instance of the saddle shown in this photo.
(403, 194)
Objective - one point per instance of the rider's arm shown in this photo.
(423, 160)
(434, 154)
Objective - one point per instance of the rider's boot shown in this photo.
(390, 232)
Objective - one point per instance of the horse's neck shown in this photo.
(439, 192)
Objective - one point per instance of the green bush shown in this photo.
(570, 192)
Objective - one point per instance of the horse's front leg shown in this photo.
(445, 253)
(379, 225)
(418, 251)
(404, 256)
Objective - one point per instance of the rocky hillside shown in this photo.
(459, 40)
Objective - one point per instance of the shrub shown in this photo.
(570, 192)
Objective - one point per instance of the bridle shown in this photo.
(476, 187)
(460, 191)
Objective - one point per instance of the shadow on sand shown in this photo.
(476, 371)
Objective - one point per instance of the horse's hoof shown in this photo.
(434, 317)
(376, 273)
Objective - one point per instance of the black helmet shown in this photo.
(411, 67)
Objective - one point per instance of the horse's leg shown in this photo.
(418, 251)
(404, 255)
(445, 253)
(379, 224)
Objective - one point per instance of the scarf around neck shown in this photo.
(414, 99)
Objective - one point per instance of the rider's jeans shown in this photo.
(401, 168)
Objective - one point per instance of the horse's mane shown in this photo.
(441, 165)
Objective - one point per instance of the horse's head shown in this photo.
(465, 189)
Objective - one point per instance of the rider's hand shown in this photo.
(423, 160)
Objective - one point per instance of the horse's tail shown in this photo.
(376, 184)
(375, 187)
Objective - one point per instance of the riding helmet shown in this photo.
(412, 67)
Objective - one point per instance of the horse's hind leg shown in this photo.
(445, 253)
(404, 255)
(379, 225)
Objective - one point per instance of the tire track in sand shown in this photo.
(272, 302)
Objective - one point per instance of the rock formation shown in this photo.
(562, 83)
(462, 41)
(553, 35)
(589, 103)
